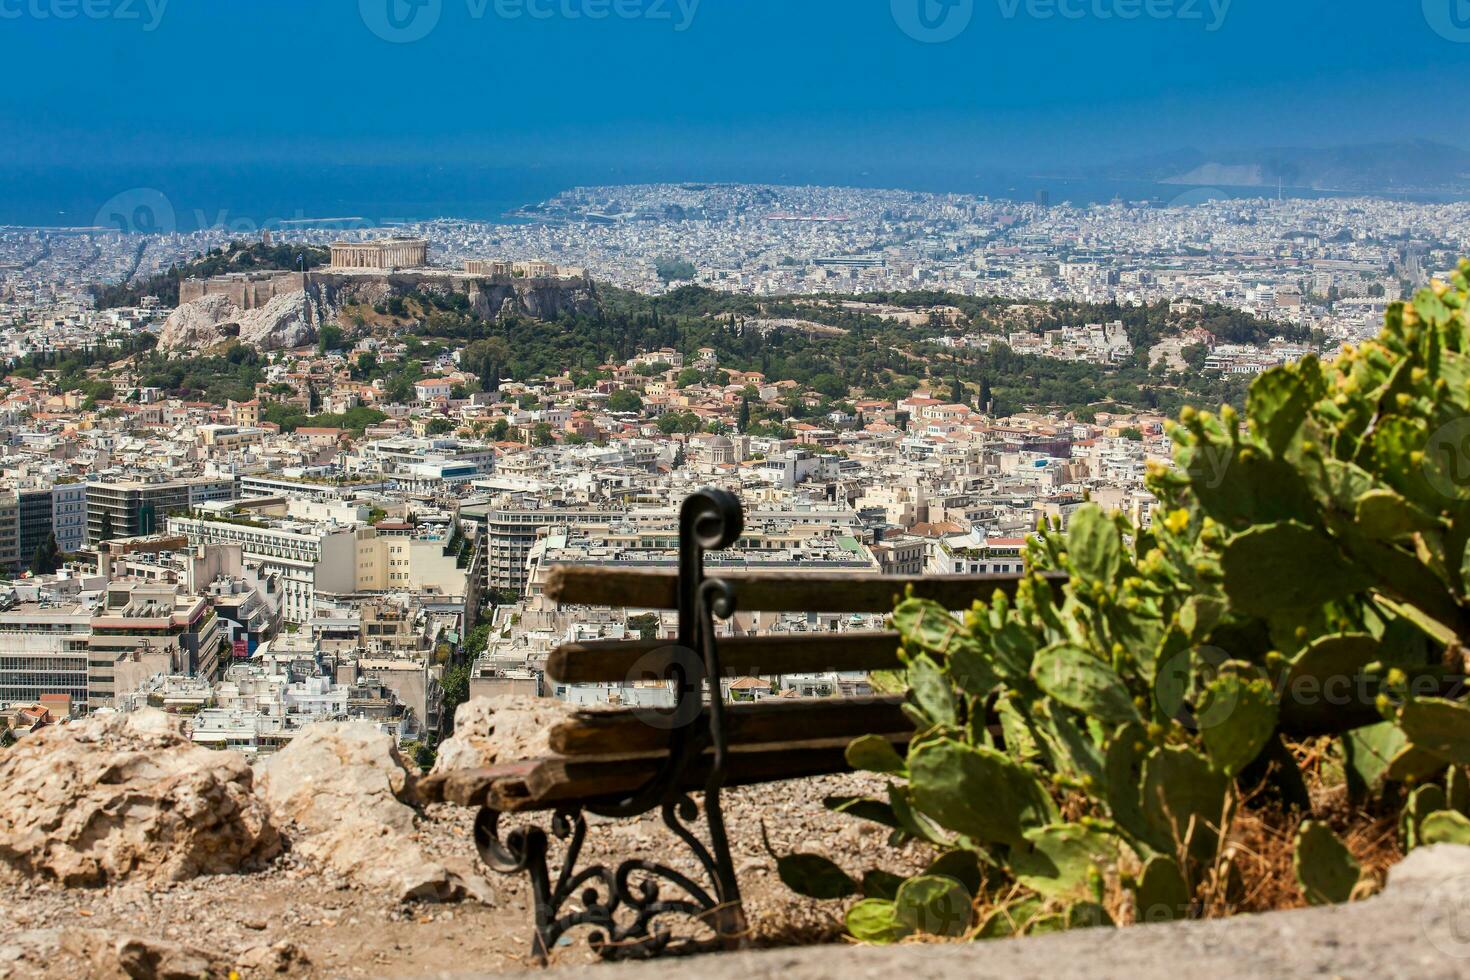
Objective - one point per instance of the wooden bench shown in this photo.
(631, 761)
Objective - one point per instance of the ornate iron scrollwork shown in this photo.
(624, 907)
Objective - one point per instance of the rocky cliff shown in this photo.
(293, 318)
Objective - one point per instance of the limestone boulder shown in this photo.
(498, 730)
(341, 792)
(128, 795)
(287, 321)
(199, 325)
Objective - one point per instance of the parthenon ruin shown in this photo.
(384, 253)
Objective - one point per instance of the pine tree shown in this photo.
(47, 558)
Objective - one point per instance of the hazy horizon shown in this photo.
(941, 86)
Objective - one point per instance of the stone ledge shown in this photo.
(1419, 927)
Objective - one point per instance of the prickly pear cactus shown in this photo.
(1306, 575)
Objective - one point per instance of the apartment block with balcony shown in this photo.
(44, 651)
(145, 628)
(134, 508)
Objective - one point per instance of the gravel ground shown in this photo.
(1419, 928)
(340, 930)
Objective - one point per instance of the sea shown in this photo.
(251, 197)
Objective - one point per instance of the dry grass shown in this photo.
(1253, 870)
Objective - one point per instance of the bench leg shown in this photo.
(623, 906)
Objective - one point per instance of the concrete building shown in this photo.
(131, 509)
(44, 650)
(304, 559)
(144, 629)
(69, 516)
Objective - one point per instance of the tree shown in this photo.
(984, 397)
(47, 558)
(829, 384)
(742, 421)
(624, 400)
(689, 376)
(645, 625)
(456, 686)
(106, 532)
(329, 338)
(541, 434)
(487, 359)
(440, 426)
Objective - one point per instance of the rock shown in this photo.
(128, 795)
(107, 954)
(145, 959)
(286, 321)
(342, 787)
(503, 729)
(199, 325)
(281, 957)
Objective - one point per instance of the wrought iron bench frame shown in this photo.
(709, 520)
(623, 904)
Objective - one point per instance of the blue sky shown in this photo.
(691, 83)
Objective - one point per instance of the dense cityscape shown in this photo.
(320, 539)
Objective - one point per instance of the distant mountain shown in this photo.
(1415, 167)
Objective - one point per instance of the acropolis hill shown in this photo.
(278, 309)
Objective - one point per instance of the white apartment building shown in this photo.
(330, 559)
(305, 559)
(43, 650)
(69, 516)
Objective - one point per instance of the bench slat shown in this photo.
(761, 723)
(468, 787)
(611, 661)
(580, 778)
(583, 585)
